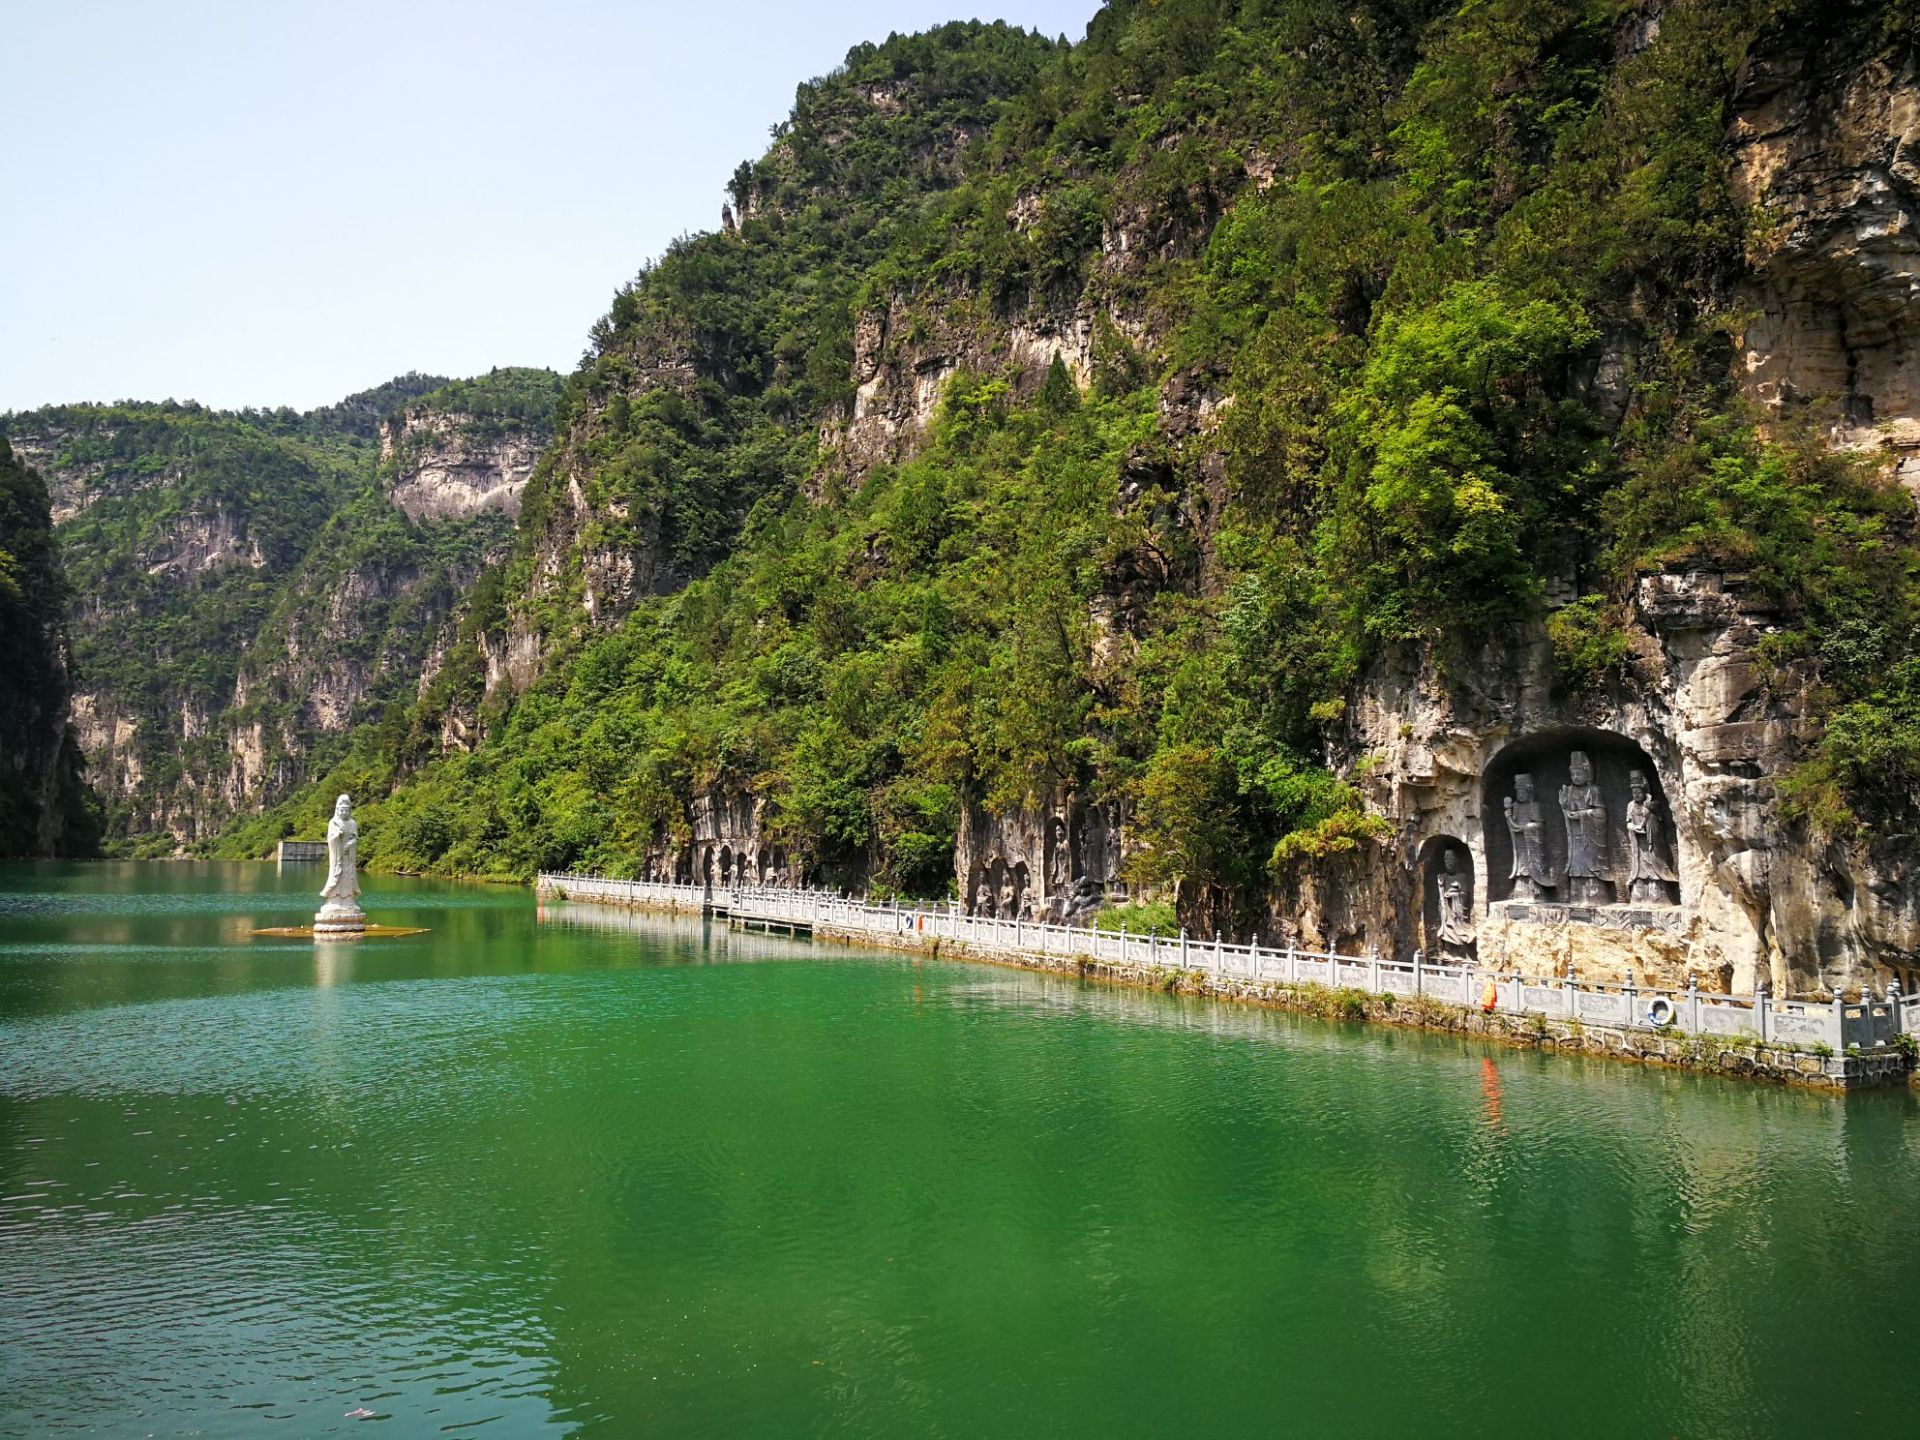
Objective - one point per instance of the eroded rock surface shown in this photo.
(450, 466)
(1824, 153)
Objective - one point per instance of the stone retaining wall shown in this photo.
(1741, 1058)
(1687, 1052)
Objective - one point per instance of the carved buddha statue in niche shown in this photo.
(1648, 871)
(1586, 812)
(1531, 878)
(1456, 920)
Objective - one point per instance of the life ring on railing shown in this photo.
(1660, 1010)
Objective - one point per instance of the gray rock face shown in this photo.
(591, 545)
(1826, 151)
(1058, 861)
(722, 843)
(73, 486)
(449, 466)
(1757, 900)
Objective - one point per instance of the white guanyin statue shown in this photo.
(341, 913)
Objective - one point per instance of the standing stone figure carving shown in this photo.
(1059, 856)
(1648, 873)
(341, 911)
(343, 854)
(1586, 812)
(1456, 923)
(1530, 875)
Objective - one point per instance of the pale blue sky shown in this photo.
(280, 203)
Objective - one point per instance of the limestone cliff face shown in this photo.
(589, 547)
(441, 465)
(713, 366)
(1825, 150)
(369, 619)
(904, 354)
(75, 483)
(1707, 725)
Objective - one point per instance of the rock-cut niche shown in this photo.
(1578, 817)
(1447, 897)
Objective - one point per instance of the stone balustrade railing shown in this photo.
(1835, 1026)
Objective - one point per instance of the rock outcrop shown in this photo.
(446, 465)
(1711, 729)
(1826, 154)
(683, 407)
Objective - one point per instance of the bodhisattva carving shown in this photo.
(1059, 856)
(1531, 879)
(1648, 871)
(1456, 921)
(1586, 812)
(983, 899)
(340, 912)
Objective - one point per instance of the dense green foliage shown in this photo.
(706, 378)
(514, 398)
(1394, 237)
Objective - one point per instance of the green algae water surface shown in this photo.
(587, 1173)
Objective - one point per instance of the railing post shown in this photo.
(1417, 981)
(1566, 989)
(1627, 990)
(1183, 947)
(1693, 1005)
(1839, 1024)
(1373, 969)
(1123, 944)
(1762, 1011)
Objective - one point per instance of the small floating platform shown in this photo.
(767, 926)
(307, 932)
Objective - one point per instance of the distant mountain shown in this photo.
(247, 586)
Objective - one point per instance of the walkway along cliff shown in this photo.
(1839, 1045)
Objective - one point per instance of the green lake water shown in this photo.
(580, 1172)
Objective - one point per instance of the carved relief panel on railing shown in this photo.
(1576, 827)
